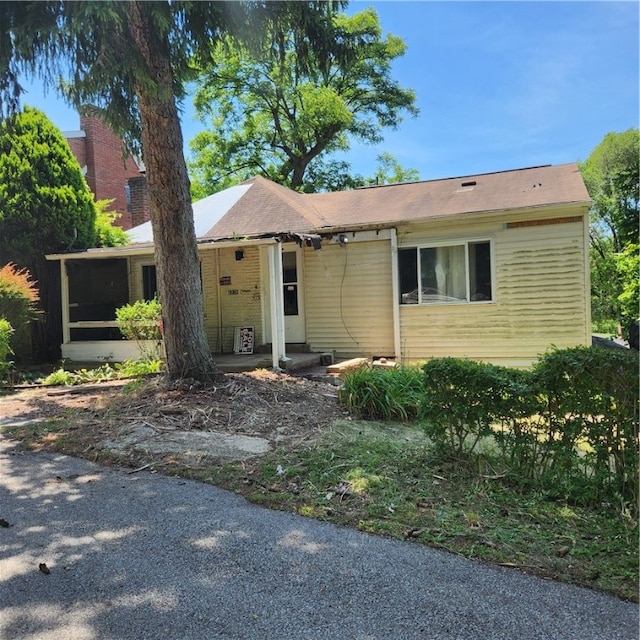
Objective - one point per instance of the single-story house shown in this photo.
(491, 267)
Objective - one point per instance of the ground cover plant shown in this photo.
(117, 371)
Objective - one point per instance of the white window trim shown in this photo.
(452, 243)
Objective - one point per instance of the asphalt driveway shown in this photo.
(135, 556)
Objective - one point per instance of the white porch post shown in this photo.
(276, 304)
(64, 292)
(395, 288)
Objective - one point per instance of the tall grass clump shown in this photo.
(380, 393)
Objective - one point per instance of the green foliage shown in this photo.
(108, 233)
(278, 105)
(390, 171)
(18, 299)
(45, 204)
(591, 413)
(5, 348)
(379, 393)
(140, 322)
(627, 264)
(612, 176)
(463, 399)
(121, 370)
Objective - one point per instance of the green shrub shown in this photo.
(138, 368)
(464, 399)
(59, 377)
(18, 299)
(140, 322)
(5, 348)
(590, 399)
(379, 393)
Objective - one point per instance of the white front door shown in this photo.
(294, 327)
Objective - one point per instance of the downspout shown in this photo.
(395, 288)
(64, 299)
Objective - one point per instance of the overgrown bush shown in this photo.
(18, 299)
(141, 322)
(590, 397)
(379, 393)
(570, 425)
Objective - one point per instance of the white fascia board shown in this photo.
(148, 249)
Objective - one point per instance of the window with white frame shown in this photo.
(457, 272)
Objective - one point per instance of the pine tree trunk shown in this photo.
(176, 253)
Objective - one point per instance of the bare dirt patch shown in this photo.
(248, 415)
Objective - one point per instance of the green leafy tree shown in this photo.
(45, 207)
(390, 171)
(337, 175)
(108, 233)
(279, 107)
(612, 176)
(133, 60)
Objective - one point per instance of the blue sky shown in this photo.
(499, 85)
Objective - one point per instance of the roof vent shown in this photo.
(471, 183)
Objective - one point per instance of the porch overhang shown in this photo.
(272, 244)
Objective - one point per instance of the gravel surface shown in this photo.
(94, 552)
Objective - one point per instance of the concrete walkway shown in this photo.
(139, 555)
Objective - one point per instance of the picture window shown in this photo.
(455, 273)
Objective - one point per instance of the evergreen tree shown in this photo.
(45, 207)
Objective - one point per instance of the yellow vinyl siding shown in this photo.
(209, 270)
(240, 301)
(348, 299)
(239, 309)
(539, 301)
(135, 275)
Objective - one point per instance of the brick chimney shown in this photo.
(138, 200)
(106, 165)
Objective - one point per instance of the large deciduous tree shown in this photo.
(45, 207)
(277, 107)
(612, 176)
(133, 60)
